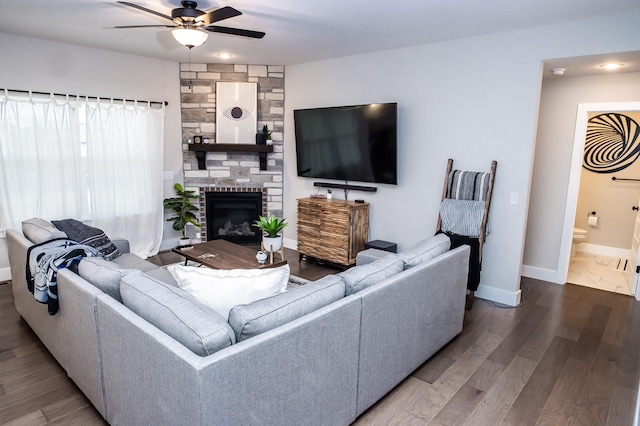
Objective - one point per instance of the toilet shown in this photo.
(579, 236)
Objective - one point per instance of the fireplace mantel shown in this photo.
(202, 149)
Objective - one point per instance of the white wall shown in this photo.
(40, 65)
(473, 100)
(556, 127)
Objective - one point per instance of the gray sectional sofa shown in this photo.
(309, 356)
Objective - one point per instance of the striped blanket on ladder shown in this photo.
(468, 185)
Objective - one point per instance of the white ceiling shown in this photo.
(300, 30)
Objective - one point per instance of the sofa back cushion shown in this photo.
(39, 230)
(221, 290)
(173, 311)
(102, 273)
(426, 250)
(161, 274)
(363, 276)
(133, 261)
(266, 314)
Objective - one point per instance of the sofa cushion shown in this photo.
(426, 250)
(85, 234)
(174, 312)
(102, 273)
(39, 230)
(363, 276)
(133, 261)
(221, 290)
(161, 274)
(263, 315)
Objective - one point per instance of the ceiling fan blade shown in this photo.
(218, 15)
(144, 9)
(235, 31)
(146, 26)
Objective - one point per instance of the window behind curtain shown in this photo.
(93, 160)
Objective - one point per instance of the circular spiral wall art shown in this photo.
(612, 143)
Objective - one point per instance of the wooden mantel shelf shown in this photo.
(202, 149)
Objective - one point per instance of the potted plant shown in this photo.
(183, 209)
(271, 227)
(329, 194)
(267, 134)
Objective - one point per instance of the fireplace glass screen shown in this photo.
(230, 216)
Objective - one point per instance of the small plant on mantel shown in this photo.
(266, 133)
(183, 208)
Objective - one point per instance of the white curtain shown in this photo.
(125, 167)
(40, 159)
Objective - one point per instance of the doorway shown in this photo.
(574, 186)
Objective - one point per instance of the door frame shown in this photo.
(575, 171)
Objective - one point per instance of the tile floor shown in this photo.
(597, 271)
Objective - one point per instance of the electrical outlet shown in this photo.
(168, 175)
(515, 198)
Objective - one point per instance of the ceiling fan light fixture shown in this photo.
(189, 37)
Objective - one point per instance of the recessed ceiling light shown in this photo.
(558, 71)
(611, 66)
(224, 55)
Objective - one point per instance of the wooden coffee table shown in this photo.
(222, 254)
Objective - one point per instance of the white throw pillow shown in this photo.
(221, 290)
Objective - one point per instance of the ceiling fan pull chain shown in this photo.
(190, 81)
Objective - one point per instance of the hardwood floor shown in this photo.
(569, 356)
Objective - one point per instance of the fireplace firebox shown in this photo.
(230, 216)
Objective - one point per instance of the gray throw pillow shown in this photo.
(174, 312)
(266, 314)
(39, 230)
(102, 273)
(426, 250)
(363, 276)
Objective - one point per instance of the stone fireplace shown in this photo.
(229, 212)
(233, 171)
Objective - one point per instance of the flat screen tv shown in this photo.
(348, 143)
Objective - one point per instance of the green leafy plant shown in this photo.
(271, 225)
(266, 133)
(183, 209)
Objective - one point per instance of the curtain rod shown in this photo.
(77, 96)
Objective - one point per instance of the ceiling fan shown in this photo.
(189, 22)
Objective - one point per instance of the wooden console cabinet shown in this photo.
(332, 230)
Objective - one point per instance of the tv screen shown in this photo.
(349, 143)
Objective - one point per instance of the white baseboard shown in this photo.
(541, 274)
(5, 274)
(498, 295)
(290, 244)
(603, 250)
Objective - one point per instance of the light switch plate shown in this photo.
(168, 175)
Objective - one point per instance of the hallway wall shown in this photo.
(552, 160)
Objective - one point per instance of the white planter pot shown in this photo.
(272, 244)
(184, 242)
